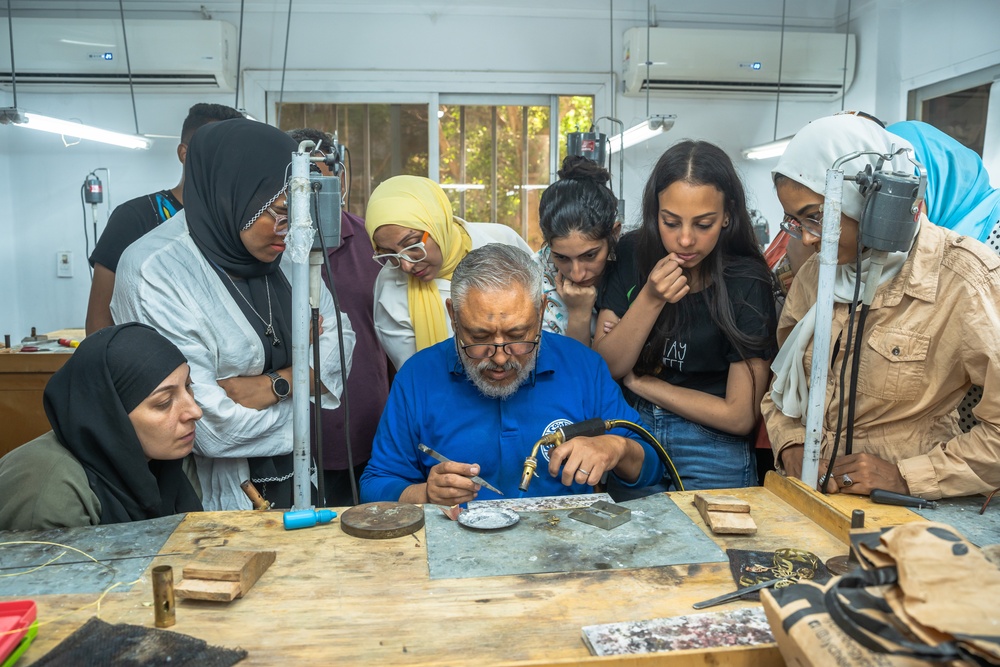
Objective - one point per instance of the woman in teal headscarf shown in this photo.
(959, 195)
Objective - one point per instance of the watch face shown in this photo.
(281, 386)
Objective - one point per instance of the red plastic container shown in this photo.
(17, 615)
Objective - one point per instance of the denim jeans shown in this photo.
(705, 458)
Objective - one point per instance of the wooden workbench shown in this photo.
(23, 376)
(333, 599)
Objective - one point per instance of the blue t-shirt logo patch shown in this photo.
(550, 429)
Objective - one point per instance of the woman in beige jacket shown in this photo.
(933, 330)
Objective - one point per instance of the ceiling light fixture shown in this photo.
(766, 151)
(654, 125)
(14, 116)
(34, 121)
(776, 147)
(647, 129)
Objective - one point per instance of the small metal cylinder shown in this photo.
(258, 501)
(163, 596)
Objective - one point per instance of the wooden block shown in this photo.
(730, 523)
(713, 502)
(207, 589)
(230, 565)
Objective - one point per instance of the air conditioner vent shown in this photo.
(739, 63)
(70, 55)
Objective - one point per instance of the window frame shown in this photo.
(264, 89)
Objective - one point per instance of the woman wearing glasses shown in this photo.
(693, 300)
(209, 279)
(419, 242)
(932, 330)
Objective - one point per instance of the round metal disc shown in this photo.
(488, 518)
(382, 521)
(839, 565)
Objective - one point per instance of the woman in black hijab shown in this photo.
(122, 417)
(209, 279)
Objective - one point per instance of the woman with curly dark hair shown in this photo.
(578, 216)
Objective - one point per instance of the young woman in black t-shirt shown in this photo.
(688, 318)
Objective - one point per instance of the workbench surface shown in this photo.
(334, 599)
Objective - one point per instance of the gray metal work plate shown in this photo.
(123, 549)
(963, 514)
(658, 534)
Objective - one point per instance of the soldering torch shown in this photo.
(589, 429)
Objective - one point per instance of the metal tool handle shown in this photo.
(735, 595)
(891, 498)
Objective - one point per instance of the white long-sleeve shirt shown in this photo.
(163, 280)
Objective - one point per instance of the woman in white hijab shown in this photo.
(932, 331)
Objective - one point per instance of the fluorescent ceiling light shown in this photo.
(766, 151)
(11, 116)
(647, 129)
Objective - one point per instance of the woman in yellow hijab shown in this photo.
(419, 242)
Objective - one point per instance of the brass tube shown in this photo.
(163, 596)
(531, 463)
(258, 501)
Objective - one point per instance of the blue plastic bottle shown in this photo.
(307, 518)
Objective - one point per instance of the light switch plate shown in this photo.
(64, 264)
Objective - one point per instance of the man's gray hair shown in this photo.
(496, 267)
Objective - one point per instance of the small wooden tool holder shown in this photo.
(221, 574)
(725, 514)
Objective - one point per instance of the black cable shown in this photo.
(86, 234)
(654, 443)
(345, 402)
(13, 70)
(843, 367)
(284, 63)
(317, 409)
(781, 58)
(128, 65)
(843, 84)
(852, 396)
(239, 56)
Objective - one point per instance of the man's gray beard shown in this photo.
(474, 369)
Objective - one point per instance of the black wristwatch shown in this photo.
(279, 386)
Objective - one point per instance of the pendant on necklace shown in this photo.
(269, 332)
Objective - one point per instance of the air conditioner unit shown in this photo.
(737, 63)
(72, 55)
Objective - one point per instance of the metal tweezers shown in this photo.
(737, 594)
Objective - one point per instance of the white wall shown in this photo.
(415, 47)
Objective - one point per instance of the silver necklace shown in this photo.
(268, 330)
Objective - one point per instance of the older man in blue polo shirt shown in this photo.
(484, 397)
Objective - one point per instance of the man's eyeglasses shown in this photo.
(412, 254)
(794, 227)
(487, 350)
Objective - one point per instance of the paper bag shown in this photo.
(923, 595)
